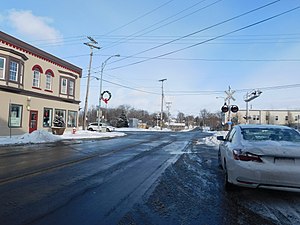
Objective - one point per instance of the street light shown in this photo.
(100, 94)
(249, 97)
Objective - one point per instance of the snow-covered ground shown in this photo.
(212, 140)
(42, 136)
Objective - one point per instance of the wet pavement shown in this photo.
(143, 178)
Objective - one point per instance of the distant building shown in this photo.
(34, 87)
(174, 126)
(277, 117)
(133, 122)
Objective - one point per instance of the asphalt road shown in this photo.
(142, 178)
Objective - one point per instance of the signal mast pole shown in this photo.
(229, 94)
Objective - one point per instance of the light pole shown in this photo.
(92, 45)
(249, 97)
(162, 101)
(100, 94)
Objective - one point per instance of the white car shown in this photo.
(94, 127)
(261, 156)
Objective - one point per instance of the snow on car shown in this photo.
(261, 156)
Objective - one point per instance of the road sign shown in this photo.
(229, 94)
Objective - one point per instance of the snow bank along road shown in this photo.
(142, 178)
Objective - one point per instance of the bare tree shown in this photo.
(180, 117)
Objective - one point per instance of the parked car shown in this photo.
(94, 127)
(261, 156)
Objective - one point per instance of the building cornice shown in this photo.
(23, 56)
(38, 53)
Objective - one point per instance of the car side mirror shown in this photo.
(220, 138)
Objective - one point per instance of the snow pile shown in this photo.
(42, 136)
(84, 134)
(212, 140)
(38, 136)
(141, 129)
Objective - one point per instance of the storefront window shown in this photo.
(47, 117)
(72, 119)
(60, 113)
(15, 115)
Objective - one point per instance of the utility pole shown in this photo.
(168, 105)
(162, 102)
(92, 44)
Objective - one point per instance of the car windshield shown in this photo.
(274, 134)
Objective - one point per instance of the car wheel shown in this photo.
(90, 129)
(107, 130)
(228, 186)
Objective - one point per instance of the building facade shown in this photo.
(35, 86)
(276, 117)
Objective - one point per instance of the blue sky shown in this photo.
(233, 44)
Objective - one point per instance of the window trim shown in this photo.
(64, 112)
(50, 117)
(48, 82)
(71, 81)
(49, 77)
(3, 69)
(76, 115)
(36, 79)
(64, 90)
(20, 74)
(16, 72)
(36, 76)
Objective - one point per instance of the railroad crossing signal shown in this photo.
(229, 94)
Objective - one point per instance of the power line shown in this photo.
(140, 17)
(205, 92)
(214, 92)
(127, 87)
(265, 38)
(193, 33)
(132, 36)
(287, 86)
(211, 39)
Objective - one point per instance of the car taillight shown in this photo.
(245, 156)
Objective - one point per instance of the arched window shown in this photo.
(49, 75)
(37, 70)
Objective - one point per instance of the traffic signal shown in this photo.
(225, 108)
(234, 108)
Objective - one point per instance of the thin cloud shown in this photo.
(34, 27)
